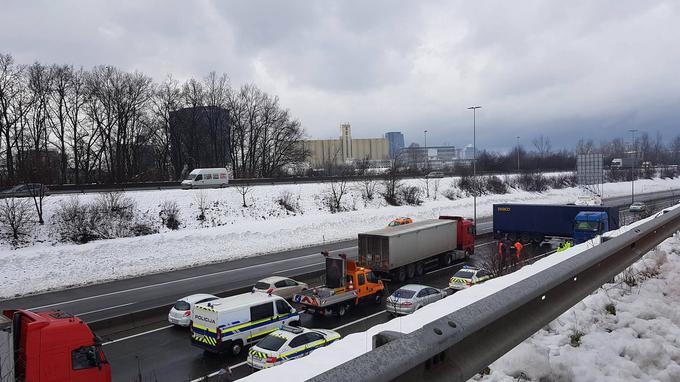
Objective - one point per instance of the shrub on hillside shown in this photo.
(169, 214)
(534, 182)
(288, 202)
(494, 185)
(562, 181)
(471, 186)
(410, 195)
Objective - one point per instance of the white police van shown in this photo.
(229, 324)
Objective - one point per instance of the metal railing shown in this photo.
(461, 344)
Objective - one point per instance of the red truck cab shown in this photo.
(56, 346)
(465, 235)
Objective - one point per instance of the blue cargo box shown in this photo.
(533, 221)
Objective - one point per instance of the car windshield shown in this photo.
(587, 226)
(464, 274)
(261, 285)
(272, 343)
(404, 293)
(182, 305)
(190, 177)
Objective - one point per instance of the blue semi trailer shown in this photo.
(536, 222)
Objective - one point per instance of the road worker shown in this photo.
(502, 253)
(518, 253)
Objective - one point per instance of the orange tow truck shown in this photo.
(346, 285)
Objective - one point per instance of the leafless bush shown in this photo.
(169, 214)
(115, 205)
(426, 184)
(494, 185)
(489, 260)
(435, 187)
(367, 187)
(337, 189)
(534, 182)
(72, 221)
(452, 194)
(289, 202)
(201, 201)
(391, 186)
(244, 190)
(471, 186)
(16, 219)
(410, 195)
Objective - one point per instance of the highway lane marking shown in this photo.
(138, 334)
(359, 320)
(103, 309)
(181, 280)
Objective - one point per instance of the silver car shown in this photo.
(412, 297)
(637, 207)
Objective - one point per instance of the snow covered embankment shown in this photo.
(626, 331)
(232, 232)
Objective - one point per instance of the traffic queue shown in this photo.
(267, 320)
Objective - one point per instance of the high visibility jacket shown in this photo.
(518, 249)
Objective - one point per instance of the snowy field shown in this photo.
(231, 231)
(640, 342)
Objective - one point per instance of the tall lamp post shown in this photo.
(632, 166)
(427, 157)
(518, 154)
(474, 161)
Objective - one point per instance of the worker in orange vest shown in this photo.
(502, 253)
(518, 253)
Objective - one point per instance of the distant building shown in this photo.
(199, 137)
(468, 152)
(396, 142)
(345, 150)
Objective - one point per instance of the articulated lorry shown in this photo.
(49, 346)
(405, 251)
(536, 222)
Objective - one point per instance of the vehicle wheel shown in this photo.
(236, 347)
(410, 270)
(401, 274)
(468, 253)
(420, 268)
(378, 299)
(295, 324)
(342, 309)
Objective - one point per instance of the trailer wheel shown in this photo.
(342, 309)
(411, 270)
(420, 268)
(401, 274)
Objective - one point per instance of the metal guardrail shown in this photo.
(461, 344)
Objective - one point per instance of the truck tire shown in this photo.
(401, 274)
(410, 271)
(342, 309)
(445, 259)
(420, 268)
(468, 253)
(378, 299)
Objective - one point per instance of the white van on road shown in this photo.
(229, 324)
(206, 177)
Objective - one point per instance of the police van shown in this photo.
(229, 324)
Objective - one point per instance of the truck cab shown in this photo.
(55, 346)
(363, 280)
(589, 224)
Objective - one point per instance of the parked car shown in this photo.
(412, 297)
(286, 344)
(435, 174)
(25, 191)
(467, 277)
(400, 221)
(637, 207)
(280, 286)
(180, 313)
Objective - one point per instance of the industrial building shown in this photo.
(396, 142)
(345, 150)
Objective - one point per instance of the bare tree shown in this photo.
(167, 98)
(392, 181)
(542, 145)
(368, 187)
(15, 219)
(38, 194)
(201, 201)
(337, 189)
(490, 261)
(12, 107)
(243, 189)
(435, 187)
(426, 184)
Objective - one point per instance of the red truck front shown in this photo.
(55, 346)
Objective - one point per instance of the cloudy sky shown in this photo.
(564, 69)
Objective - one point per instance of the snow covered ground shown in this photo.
(231, 231)
(641, 342)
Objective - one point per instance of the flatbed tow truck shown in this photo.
(346, 285)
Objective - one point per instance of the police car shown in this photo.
(467, 277)
(286, 344)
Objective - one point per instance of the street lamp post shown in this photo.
(427, 157)
(474, 161)
(632, 167)
(518, 154)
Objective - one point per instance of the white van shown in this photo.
(229, 324)
(206, 177)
